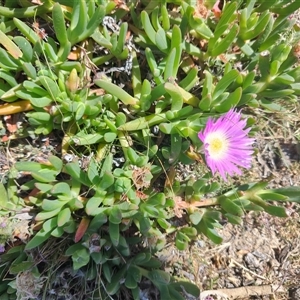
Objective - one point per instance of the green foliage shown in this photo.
(139, 91)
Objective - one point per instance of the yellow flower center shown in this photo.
(217, 145)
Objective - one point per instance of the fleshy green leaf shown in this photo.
(224, 83)
(230, 206)
(37, 240)
(115, 215)
(10, 46)
(80, 258)
(59, 24)
(63, 216)
(161, 40)
(114, 233)
(277, 211)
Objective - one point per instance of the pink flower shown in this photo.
(226, 144)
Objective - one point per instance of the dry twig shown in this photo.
(242, 292)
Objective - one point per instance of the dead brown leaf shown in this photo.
(121, 4)
(37, 2)
(11, 123)
(217, 10)
(181, 205)
(201, 10)
(75, 54)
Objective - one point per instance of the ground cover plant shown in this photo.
(133, 93)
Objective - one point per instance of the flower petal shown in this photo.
(226, 144)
